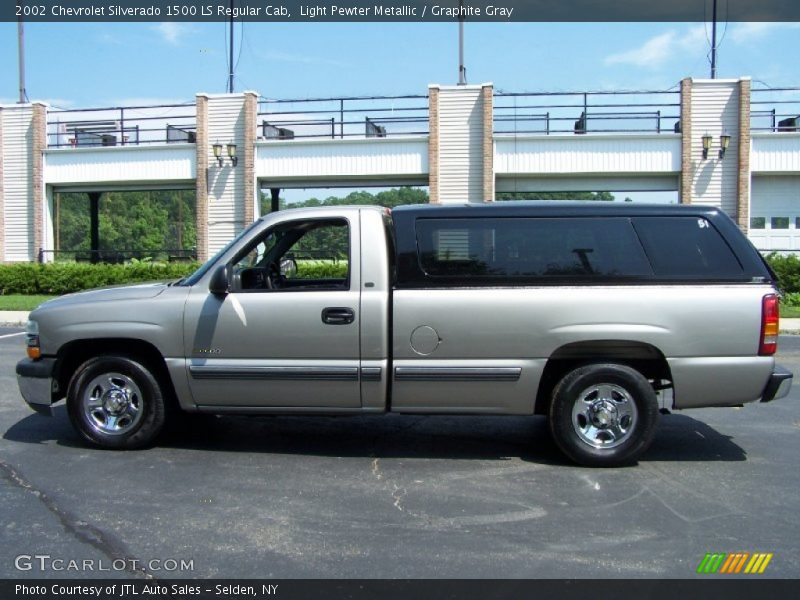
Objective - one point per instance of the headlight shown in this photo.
(32, 340)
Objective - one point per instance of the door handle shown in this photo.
(338, 315)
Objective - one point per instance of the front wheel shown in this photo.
(116, 402)
(603, 415)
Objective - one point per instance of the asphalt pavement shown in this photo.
(394, 496)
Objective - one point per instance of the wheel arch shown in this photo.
(642, 356)
(76, 352)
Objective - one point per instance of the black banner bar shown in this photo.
(717, 588)
(396, 10)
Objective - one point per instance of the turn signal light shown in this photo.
(32, 340)
(769, 325)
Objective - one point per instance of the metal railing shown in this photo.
(121, 126)
(772, 109)
(119, 256)
(345, 117)
(547, 113)
(775, 109)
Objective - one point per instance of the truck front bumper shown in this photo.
(35, 379)
(779, 384)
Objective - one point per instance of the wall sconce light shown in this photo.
(218, 153)
(707, 139)
(232, 154)
(724, 142)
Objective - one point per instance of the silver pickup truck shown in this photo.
(598, 316)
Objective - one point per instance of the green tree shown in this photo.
(387, 198)
(131, 220)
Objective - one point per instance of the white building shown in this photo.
(466, 143)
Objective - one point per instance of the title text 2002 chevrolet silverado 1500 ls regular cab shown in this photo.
(597, 316)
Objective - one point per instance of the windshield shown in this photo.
(198, 274)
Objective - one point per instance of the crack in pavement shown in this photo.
(398, 494)
(671, 483)
(85, 532)
(376, 470)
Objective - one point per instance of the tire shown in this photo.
(116, 402)
(603, 415)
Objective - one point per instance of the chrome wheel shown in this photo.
(604, 415)
(112, 403)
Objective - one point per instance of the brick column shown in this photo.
(488, 143)
(201, 148)
(2, 197)
(687, 173)
(39, 140)
(249, 155)
(433, 144)
(743, 204)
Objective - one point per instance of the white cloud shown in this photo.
(299, 58)
(653, 52)
(695, 39)
(744, 33)
(662, 47)
(171, 32)
(107, 38)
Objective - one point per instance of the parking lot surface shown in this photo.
(396, 497)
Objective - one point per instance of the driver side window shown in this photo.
(312, 254)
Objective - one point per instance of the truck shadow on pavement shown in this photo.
(678, 438)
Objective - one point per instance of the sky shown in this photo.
(111, 64)
(83, 64)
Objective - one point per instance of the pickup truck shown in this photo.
(598, 316)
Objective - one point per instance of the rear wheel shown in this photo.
(116, 402)
(603, 415)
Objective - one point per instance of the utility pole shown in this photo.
(23, 94)
(462, 70)
(230, 54)
(714, 41)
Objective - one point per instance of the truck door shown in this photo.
(287, 333)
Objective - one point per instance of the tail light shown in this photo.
(769, 325)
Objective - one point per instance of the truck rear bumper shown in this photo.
(35, 380)
(779, 384)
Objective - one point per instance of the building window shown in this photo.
(759, 222)
(779, 222)
(797, 222)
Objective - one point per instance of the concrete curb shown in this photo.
(790, 326)
(14, 318)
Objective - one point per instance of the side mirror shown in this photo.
(219, 285)
(288, 267)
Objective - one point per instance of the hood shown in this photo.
(123, 292)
